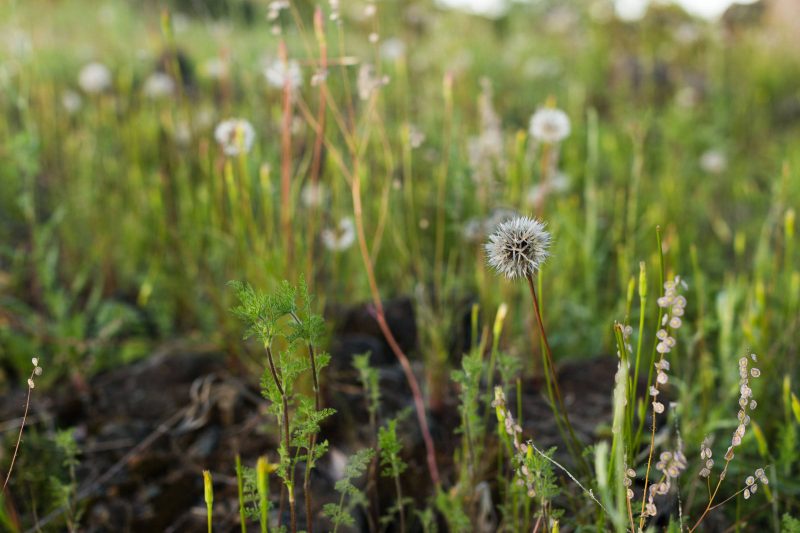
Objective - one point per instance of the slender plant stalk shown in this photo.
(19, 437)
(560, 409)
(658, 325)
(709, 507)
(312, 439)
(286, 160)
(286, 439)
(209, 498)
(639, 340)
(442, 183)
(419, 403)
(402, 512)
(319, 137)
(240, 492)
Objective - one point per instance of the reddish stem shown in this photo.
(286, 155)
(419, 404)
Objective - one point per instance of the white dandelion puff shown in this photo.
(550, 125)
(71, 101)
(235, 136)
(314, 194)
(714, 161)
(281, 73)
(518, 247)
(158, 85)
(392, 49)
(368, 81)
(340, 238)
(94, 78)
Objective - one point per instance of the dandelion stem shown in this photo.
(560, 410)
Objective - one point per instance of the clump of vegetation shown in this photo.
(286, 329)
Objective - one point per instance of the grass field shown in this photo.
(375, 149)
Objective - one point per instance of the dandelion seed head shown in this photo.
(314, 194)
(71, 101)
(158, 85)
(550, 125)
(518, 247)
(714, 162)
(340, 238)
(235, 136)
(392, 49)
(368, 81)
(280, 73)
(94, 78)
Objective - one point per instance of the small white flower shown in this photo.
(518, 247)
(158, 85)
(94, 78)
(340, 238)
(235, 136)
(550, 125)
(279, 73)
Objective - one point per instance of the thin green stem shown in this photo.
(559, 409)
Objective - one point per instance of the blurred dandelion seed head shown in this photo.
(550, 125)
(71, 101)
(94, 78)
(279, 74)
(341, 237)
(714, 162)
(235, 136)
(158, 85)
(314, 194)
